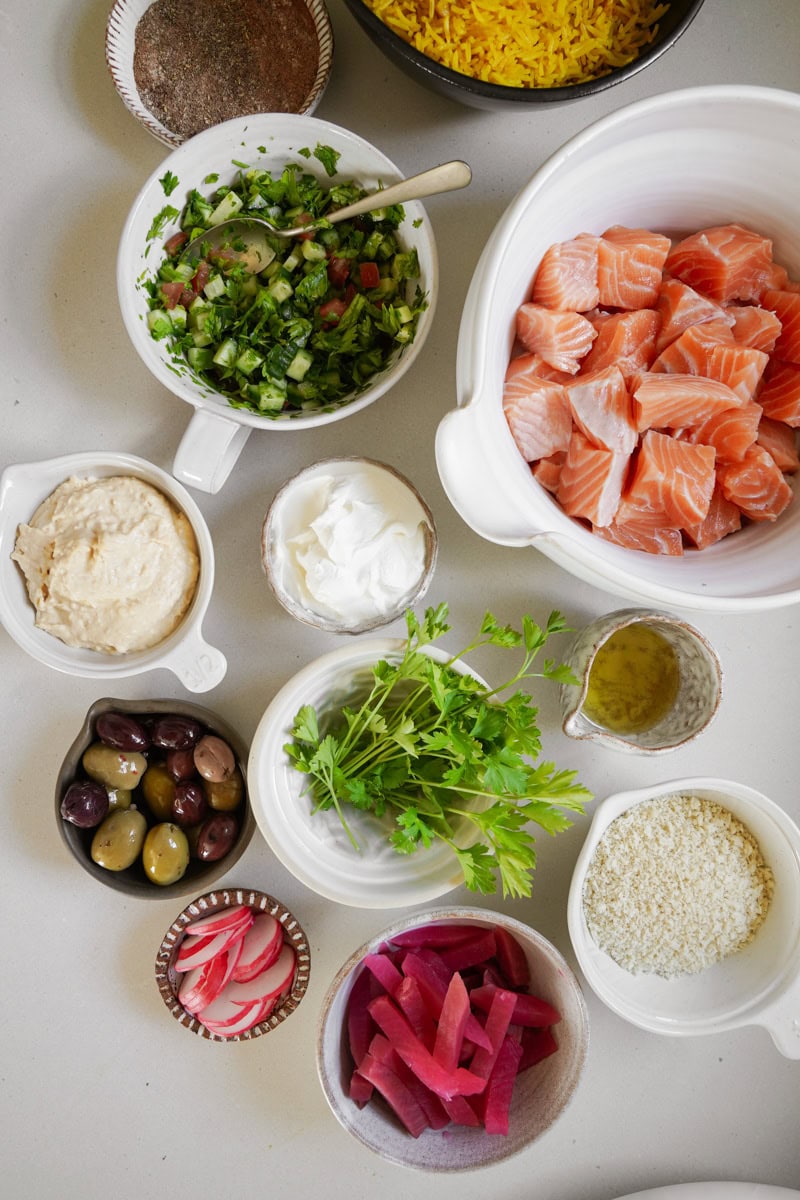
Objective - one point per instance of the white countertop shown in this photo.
(101, 1092)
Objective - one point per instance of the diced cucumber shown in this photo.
(228, 207)
(280, 290)
(403, 313)
(371, 245)
(293, 258)
(226, 353)
(201, 338)
(313, 251)
(269, 395)
(248, 360)
(299, 365)
(158, 323)
(215, 287)
(177, 316)
(200, 358)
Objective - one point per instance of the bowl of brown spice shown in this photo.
(240, 56)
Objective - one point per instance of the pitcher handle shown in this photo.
(208, 450)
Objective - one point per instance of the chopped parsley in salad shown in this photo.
(310, 331)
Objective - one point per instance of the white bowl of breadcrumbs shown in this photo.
(683, 910)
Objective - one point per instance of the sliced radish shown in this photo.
(260, 948)
(205, 950)
(202, 984)
(272, 982)
(218, 921)
(188, 947)
(247, 1018)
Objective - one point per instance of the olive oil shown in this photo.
(633, 680)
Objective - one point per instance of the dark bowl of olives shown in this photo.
(151, 798)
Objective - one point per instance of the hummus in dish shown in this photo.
(110, 564)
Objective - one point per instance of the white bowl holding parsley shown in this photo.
(236, 394)
(361, 857)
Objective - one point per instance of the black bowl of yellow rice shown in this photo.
(499, 53)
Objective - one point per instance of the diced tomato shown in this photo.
(305, 219)
(331, 311)
(187, 296)
(369, 274)
(174, 243)
(338, 271)
(200, 278)
(349, 292)
(172, 293)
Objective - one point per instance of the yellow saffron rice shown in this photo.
(525, 43)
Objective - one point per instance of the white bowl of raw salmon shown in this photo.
(628, 373)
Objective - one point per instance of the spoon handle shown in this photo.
(445, 178)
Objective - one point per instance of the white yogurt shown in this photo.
(348, 541)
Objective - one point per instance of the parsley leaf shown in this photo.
(169, 182)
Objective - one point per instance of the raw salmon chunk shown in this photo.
(755, 326)
(722, 518)
(591, 480)
(741, 367)
(650, 539)
(675, 401)
(756, 485)
(786, 306)
(626, 340)
(561, 338)
(601, 409)
(538, 416)
(779, 395)
(674, 477)
(680, 306)
(629, 267)
(731, 432)
(724, 262)
(567, 275)
(690, 352)
(547, 471)
(533, 364)
(780, 441)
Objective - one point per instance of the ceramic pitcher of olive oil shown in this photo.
(648, 682)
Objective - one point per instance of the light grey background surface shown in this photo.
(101, 1092)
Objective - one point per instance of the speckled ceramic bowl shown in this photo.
(541, 1093)
(120, 45)
(168, 979)
(133, 881)
(757, 985)
(289, 515)
(699, 689)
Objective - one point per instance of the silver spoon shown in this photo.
(255, 252)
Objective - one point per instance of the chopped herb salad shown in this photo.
(327, 312)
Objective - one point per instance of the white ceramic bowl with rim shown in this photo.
(759, 984)
(23, 487)
(121, 43)
(314, 846)
(677, 162)
(217, 432)
(541, 1093)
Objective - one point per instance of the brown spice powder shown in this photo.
(199, 62)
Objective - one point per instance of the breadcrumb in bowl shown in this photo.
(738, 962)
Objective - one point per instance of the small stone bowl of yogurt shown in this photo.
(348, 544)
(682, 910)
(114, 566)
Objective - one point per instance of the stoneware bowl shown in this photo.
(133, 881)
(476, 93)
(759, 984)
(217, 432)
(23, 487)
(541, 1093)
(313, 845)
(168, 979)
(290, 514)
(689, 159)
(120, 45)
(699, 687)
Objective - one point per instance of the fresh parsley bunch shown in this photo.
(437, 750)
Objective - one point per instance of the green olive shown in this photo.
(165, 854)
(119, 798)
(226, 794)
(114, 768)
(159, 791)
(117, 843)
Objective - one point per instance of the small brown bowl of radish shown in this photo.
(452, 1040)
(233, 965)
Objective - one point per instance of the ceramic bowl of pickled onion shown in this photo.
(519, 56)
(426, 1048)
(645, 173)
